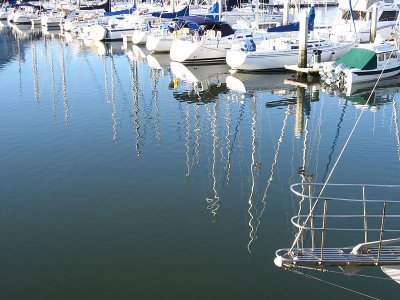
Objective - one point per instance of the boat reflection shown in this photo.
(24, 31)
(138, 54)
(7, 49)
(252, 82)
(367, 95)
(81, 46)
(101, 48)
(200, 83)
(159, 61)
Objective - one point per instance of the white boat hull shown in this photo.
(353, 76)
(198, 51)
(23, 18)
(4, 15)
(277, 59)
(116, 34)
(383, 29)
(159, 43)
(51, 22)
(393, 272)
(139, 37)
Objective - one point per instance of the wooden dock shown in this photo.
(308, 71)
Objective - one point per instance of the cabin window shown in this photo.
(295, 47)
(391, 55)
(381, 57)
(358, 15)
(388, 16)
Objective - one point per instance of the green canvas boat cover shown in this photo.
(359, 58)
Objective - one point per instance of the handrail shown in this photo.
(300, 194)
(330, 222)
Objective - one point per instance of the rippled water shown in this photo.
(121, 180)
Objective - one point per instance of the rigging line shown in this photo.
(114, 115)
(333, 284)
(214, 202)
(335, 140)
(157, 122)
(252, 169)
(236, 130)
(197, 133)
(187, 144)
(92, 73)
(106, 89)
(228, 125)
(337, 160)
(53, 83)
(118, 78)
(280, 139)
(135, 109)
(396, 122)
(319, 136)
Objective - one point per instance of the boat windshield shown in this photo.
(358, 15)
(389, 15)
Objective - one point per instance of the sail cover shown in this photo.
(359, 58)
(296, 25)
(171, 15)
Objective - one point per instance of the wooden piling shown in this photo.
(299, 119)
(303, 35)
(374, 21)
(285, 20)
(219, 10)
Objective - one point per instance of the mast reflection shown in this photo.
(64, 86)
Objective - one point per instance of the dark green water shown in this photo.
(121, 181)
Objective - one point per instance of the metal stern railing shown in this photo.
(365, 216)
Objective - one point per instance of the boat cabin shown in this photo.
(369, 57)
(198, 25)
(288, 44)
(362, 9)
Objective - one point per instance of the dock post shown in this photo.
(257, 14)
(303, 35)
(374, 21)
(219, 10)
(285, 20)
(299, 119)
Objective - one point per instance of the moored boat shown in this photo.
(206, 40)
(4, 12)
(366, 62)
(274, 54)
(356, 18)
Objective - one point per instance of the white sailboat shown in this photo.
(276, 53)
(4, 12)
(272, 54)
(208, 40)
(355, 17)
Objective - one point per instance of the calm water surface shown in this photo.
(125, 177)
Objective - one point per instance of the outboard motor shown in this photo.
(338, 74)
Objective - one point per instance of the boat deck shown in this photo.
(386, 255)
